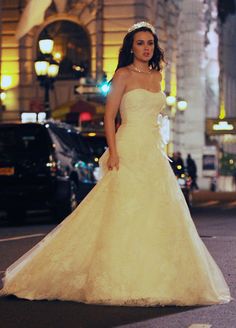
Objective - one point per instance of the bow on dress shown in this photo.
(164, 126)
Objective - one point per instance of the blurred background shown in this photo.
(56, 58)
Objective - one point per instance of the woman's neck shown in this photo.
(141, 65)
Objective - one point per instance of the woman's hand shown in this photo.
(113, 161)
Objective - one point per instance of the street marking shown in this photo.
(23, 237)
(200, 325)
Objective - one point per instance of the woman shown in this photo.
(132, 240)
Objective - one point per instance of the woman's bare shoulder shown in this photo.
(157, 74)
(122, 72)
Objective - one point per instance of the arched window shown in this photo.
(71, 49)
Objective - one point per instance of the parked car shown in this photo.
(43, 166)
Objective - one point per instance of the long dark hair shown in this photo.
(126, 57)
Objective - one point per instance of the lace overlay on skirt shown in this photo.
(132, 240)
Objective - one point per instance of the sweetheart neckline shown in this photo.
(154, 92)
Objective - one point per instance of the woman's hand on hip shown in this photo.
(113, 162)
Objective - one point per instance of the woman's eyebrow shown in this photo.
(145, 40)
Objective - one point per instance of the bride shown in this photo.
(132, 240)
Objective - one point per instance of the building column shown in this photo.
(192, 86)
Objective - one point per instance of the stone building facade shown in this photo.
(183, 27)
(105, 23)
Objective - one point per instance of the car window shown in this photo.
(98, 144)
(24, 138)
(71, 139)
(81, 144)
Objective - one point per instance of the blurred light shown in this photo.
(41, 117)
(181, 182)
(46, 46)
(96, 159)
(41, 67)
(78, 68)
(53, 70)
(3, 96)
(222, 109)
(57, 56)
(179, 167)
(85, 116)
(97, 173)
(91, 134)
(170, 100)
(28, 117)
(182, 175)
(231, 161)
(182, 105)
(223, 125)
(6, 81)
(104, 87)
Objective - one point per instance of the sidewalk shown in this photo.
(207, 197)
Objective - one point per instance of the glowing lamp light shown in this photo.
(78, 68)
(170, 100)
(53, 70)
(182, 105)
(57, 56)
(3, 96)
(46, 46)
(41, 67)
(6, 81)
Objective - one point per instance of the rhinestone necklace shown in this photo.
(140, 71)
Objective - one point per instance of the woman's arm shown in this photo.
(112, 107)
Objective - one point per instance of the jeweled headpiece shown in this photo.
(141, 24)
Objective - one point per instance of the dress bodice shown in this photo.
(141, 106)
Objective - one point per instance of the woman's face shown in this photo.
(143, 46)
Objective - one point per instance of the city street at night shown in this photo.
(217, 227)
(118, 117)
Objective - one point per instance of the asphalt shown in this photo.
(216, 226)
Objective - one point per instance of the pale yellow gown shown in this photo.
(132, 240)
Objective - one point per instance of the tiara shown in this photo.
(141, 24)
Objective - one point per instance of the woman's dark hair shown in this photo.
(126, 57)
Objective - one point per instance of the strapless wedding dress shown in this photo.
(132, 240)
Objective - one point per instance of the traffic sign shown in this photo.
(86, 89)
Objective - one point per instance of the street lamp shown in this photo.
(46, 70)
(182, 105)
